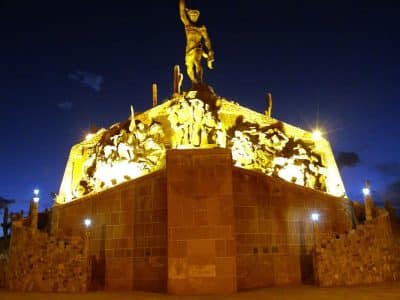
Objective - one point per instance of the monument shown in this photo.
(200, 195)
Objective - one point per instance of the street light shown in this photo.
(36, 195)
(315, 218)
(366, 191)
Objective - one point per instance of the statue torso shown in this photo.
(194, 37)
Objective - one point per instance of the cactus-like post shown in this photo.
(268, 110)
(154, 94)
(178, 78)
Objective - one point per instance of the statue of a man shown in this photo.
(196, 41)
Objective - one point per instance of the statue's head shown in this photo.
(193, 15)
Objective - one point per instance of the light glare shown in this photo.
(87, 222)
(315, 217)
(36, 199)
(366, 191)
(36, 192)
(89, 136)
(317, 135)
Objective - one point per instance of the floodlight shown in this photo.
(87, 222)
(315, 217)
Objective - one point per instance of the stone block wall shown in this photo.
(365, 255)
(201, 231)
(202, 226)
(3, 266)
(128, 236)
(42, 263)
(274, 231)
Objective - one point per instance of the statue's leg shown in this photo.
(189, 60)
(197, 63)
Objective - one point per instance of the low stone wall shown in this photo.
(43, 263)
(367, 254)
(3, 264)
(274, 232)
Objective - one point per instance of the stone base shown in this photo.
(202, 226)
(201, 235)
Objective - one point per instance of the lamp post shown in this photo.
(88, 223)
(368, 202)
(86, 248)
(315, 219)
(34, 209)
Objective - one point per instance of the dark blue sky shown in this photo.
(65, 65)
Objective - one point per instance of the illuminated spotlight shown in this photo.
(366, 191)
(317, 135)
(36, 192)
(87, 222)
(315, 217)
(89, 136)
(36, 199)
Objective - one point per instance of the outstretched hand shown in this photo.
(210, 63)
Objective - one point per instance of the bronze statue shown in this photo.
(196, 41)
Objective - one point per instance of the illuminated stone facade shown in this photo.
(200, 195)
(137, 147)
(201, 226)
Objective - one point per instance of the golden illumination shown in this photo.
(89, 136)
(317, 135)
(198, 119)
(132, 149)
(197, 41)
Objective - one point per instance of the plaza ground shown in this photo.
(386, 291)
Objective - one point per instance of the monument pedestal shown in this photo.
(201, 234)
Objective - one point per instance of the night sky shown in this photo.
(68, 65)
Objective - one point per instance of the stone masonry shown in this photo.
(201, 232)
(3, 266)
(364, 255)
(128, 236)
(202, 226)
(39, 262)
(274, 232)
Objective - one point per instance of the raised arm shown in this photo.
(182, 12)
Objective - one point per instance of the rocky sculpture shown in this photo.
(124, 152)
(138, 147)
(269, 150)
